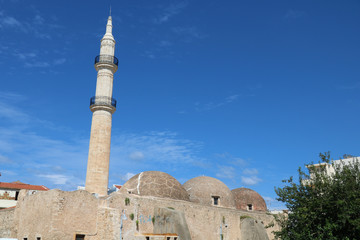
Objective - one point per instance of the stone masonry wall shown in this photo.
(56, 215)
(7, 229)
(204, 222)
(59, 215)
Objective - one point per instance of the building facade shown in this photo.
(9, 192)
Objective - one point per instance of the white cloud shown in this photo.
(5, 173)
(273, 204)
(136, 155)
(226, 172)
(232, 98)
(39, 27)
(158, 147)
(9, 112)
(47, 158)
(37, 64)
(170, 11)
(188, 34)
(58, 179)
(250, 171)
(24, 56)
(59, 61)
(251, 180)
(127, 176)
(8, 21)
(212, 105)
(5, 160)
(240, 162)
(38, 20)
(164, 43)
(294, 14)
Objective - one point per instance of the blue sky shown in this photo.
(244, 91)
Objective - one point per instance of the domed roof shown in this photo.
(247, 199)
(156, 184)
(209, 191)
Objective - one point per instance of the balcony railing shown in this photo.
(102, 101)
(106, 59)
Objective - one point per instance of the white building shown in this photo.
(9, 192)
(328, 167)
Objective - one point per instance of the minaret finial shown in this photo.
(110, 11)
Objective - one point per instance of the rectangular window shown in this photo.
(80, 237)
(25, 238)
(16, 195)
(147, 238)
(168, 238)
(38, 238)
(215, 200)
(250, 207)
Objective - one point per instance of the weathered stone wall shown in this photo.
(59, 215)
(204, 222)
(7, 229)
(56, 215)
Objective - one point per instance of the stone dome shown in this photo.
(209, 191)
(249, 200)
(156, 184)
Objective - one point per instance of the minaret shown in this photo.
(103, 106)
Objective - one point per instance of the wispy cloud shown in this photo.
(137, 155)
(24, 56)
(5, 160)
(50, 159)
(57, 179)
(355, 85)
(165, 43)
(226, 172)
(188, 34)
(39, 20)
(212, 105)
(294, 14)
(37, 64)
(8, 110)
(250, 180)
(273, 204)
(127, 176)
(234, 168)
(170, 11)
(37, 26)
(250, 176)
(250, 171)
(155, 147)
(8, 21)
(59, 61)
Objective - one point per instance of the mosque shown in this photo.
(151, 205)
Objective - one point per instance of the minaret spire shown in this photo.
(103, 106)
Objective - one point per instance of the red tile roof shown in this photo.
(118, 186)
(20, 185)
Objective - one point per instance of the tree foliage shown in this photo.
(325, 206)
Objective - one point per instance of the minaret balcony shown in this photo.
(102, 103)
(106, 61)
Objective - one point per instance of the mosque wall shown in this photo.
(204, 222)
(60, 215)
(7, 229)
(56, 215)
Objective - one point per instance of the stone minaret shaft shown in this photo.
(103, 106)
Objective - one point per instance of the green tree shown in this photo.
(325, 206)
